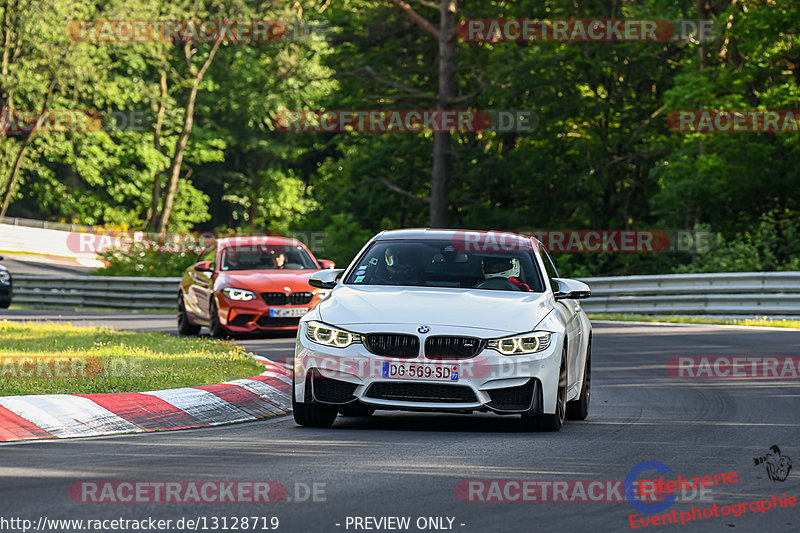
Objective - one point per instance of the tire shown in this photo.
(4, 304)
(551, 422)
(185, 327)
(578, 409)
(215, 329)
(356, 409)
(313, 414)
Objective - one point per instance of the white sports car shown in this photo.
(445, 320)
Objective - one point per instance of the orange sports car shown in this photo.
(249, 284)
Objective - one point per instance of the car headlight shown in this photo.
(329, 336)
(537, 341)
(242, 295)
(5, 277)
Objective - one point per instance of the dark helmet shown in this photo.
(501, 267)
(403, 265)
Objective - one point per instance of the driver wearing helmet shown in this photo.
(230, 260)
(504, 267)
(402, 266)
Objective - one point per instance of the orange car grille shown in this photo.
(286, 298)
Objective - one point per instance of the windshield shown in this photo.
(437, 263)
(266, 257)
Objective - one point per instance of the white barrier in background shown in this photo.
(26, 239)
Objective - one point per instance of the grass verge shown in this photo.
(763, 322)
(37, 358)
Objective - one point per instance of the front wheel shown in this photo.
(578, 409)
(184, 326)
(215, 328)
(313, 414)
(551, 422)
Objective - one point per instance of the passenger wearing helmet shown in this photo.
(279, 260)
(504, 267)
(403, 266)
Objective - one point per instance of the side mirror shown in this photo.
(203, 266)
(327, 263)
(571, 289)
(325, 279)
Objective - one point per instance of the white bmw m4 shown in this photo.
(448, 321)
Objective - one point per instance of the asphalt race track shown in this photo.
(41, 265)
(409, 465)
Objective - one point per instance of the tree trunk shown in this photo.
(6, 94)
(183, 140)
(12, 181)
(150, 220)
(177, 160)
(441, 140)
(701, 53)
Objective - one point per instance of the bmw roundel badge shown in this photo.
(423, 329)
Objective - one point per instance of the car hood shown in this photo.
(502, 311)
(266, 280)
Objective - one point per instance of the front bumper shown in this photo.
(487, 381)
(244, 317)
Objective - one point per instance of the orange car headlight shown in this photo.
(242, 295)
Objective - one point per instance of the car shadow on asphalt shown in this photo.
(259, 335)
(437, 422)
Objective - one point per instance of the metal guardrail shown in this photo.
(733, 293)
(743, 294)
(43, 224)
(96, 291)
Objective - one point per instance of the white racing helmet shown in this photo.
(501, 267)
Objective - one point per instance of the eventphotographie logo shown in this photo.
(777, 465)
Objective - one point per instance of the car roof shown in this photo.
(257, 239)
(422, 233)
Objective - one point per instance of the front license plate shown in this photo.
(289, 312)
(420, 371)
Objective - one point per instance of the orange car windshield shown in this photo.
(266, 257)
